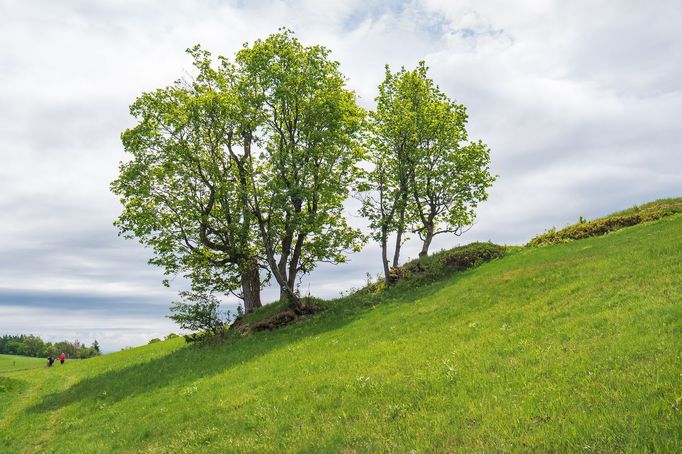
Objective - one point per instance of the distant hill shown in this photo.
(574, 346)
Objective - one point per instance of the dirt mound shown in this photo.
(286, 317)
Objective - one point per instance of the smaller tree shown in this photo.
(450, 175)
(391, 141)
(33, 346)
(200, 311)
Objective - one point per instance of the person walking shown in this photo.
(62, 357)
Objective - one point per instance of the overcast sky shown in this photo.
(580, 102)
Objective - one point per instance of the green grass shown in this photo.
(12, 363)
(11, 387)
(569, 347)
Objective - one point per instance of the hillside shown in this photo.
(571, 346)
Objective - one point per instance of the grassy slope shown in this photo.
(11, 363)
(11, 387)
(574, 346)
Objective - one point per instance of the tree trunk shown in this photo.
(384, 255)
(293, 299)
(401, 229)
(398, 244)
(295, 260)
(426, 243)
(251, 288)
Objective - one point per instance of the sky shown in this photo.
(580, 103)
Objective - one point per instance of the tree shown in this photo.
(245, 168)
(184, 190)
(200, 312)
(450, 176)
(425, 177)
(96, 348)
(30, 345)
(392, 140)
(33, 346)
(309, 160)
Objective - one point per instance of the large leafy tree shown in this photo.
(183, 191)
(426, 178)
(309, 156)
(245, 167)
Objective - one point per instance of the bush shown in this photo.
(472, 255)
(429, 269)
(200, 312)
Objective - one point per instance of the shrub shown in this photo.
(429, 269)
(472, 255)
(200, 312)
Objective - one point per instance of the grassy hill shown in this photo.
(573, 346)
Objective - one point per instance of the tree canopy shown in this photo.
(240, 173)
(309, 159)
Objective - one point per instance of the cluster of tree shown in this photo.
(168, 337)
(30, 345)
(426, 177)
(239, 175)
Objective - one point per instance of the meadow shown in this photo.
(14, 363)
(574, 346)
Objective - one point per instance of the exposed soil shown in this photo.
(280, 319)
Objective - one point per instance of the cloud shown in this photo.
(579, 103)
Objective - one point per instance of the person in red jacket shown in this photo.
(62, 357)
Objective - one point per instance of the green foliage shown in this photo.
(154, 341)
(244, 168)
(183, 191)
(673, 204)
(200, 312)
(427, 177)
(471, 255)
(585, 229)
(557, 349)
(310, 128)
(444, 263)
(30, 345)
